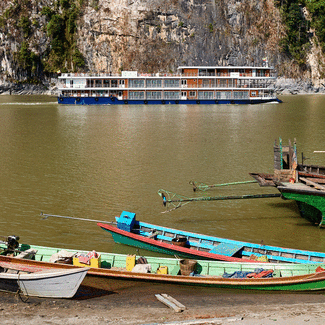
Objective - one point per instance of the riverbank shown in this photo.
(49, 89)
(138, 305)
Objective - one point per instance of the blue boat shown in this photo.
(185, 244)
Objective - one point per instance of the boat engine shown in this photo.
(12, 243)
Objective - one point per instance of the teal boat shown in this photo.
(112, 273)
(187, 244)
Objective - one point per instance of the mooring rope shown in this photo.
(19, 292)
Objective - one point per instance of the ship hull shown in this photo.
(116, 101)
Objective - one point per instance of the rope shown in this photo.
(19, 292)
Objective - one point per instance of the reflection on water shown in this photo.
(96, 161)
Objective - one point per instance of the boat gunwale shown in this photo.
(291, 189)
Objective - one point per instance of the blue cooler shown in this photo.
(126, 221)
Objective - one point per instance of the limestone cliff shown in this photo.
(143, 35)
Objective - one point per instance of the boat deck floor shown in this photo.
(301, 187)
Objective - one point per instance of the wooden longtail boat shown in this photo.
(56, 283)
(165, 240)
(305, 184)
(113, 275)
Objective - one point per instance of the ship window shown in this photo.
(152, 83)
(202, 72)
(98, 83)
(171, 83)
(253, 93)
(223, 94)
(206, 82)
(172, 94)
(184, 82)
(136, 83)
(205, 94)
(223, 83)
(260, 73)
(136, 95)
(241, 94)
(153, 94)
(192, 94)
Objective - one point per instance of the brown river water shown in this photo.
(96, 161)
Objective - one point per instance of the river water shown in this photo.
(96, 161)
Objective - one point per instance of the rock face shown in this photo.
(161, 35)
(151, 36)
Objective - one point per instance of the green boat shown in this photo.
(109, 271)
(305, 184)
(310, 200)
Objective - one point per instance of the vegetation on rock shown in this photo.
(63, 54)
(40, 36)
(60, 53)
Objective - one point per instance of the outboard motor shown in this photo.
(12, 243)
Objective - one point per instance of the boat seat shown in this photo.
(226, 249)
(28, 254)
(12, 271)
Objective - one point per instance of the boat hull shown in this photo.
(56, 283)
(116, 101)
(107, 279)
(311, 203)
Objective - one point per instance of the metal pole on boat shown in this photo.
(45, 216)
(178, 200)
(281, 153)
(205, 187)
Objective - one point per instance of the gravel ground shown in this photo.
(138, 305)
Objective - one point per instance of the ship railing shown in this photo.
(159, 74)
(227, 86)
(190, 86)
(188, 74)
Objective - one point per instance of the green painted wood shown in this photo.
(211, 268)
(210, 272)
(316, 201)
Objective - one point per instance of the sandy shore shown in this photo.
(138, 305)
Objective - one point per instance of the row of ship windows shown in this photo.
(152, 83)
(173, 94)
(192, 94)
